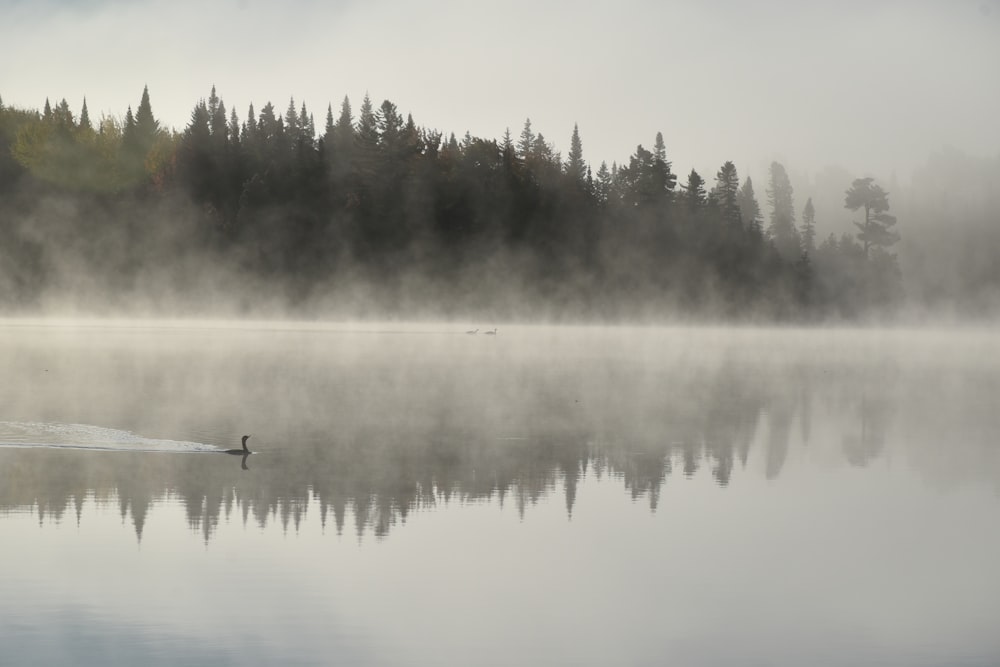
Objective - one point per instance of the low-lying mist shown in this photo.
(378, 218)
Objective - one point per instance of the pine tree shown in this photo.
(128, 129)
(660, 148)
(344, 129)
(329, 127)
(575, 166)
(750, 209)
(217, 123)
(727, 185)
(292, 119)
(527, 141)
(307, 128)
(85, 117)
(147, 127)
(234, 127)
(694, 191)
(809, 228)
(367, 130)
(876, 227)
(604, 183)
(782, 231)
(389, 123)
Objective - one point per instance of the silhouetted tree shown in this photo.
(694, 191)
(750, 209)
(809, 228)
(575, 166)
(727, 185)
(782, 230)
(876, 229)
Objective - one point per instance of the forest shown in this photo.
(369, 214)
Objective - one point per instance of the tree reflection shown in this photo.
(375, 474)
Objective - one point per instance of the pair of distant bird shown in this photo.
(488, 333)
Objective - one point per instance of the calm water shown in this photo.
(546, 496)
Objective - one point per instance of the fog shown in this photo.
(192, 220)
(384, 421)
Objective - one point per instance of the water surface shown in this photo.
(555, 495)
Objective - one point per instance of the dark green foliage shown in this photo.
(398, 212)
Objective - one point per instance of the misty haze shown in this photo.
(638, 334)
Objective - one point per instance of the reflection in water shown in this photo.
(382, 453)
(571, 496)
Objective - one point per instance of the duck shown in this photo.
(240, 452)
(492, 333)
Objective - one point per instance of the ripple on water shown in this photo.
(86, 436)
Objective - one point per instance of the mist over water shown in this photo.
(381, 349)
(417, 494)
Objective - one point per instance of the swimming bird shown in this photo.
(491, 333)
(241, 452)
(474, 331)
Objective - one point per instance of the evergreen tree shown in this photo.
(694, 191)
(603, 186)
(575, 166)
(527, 141)
(329, 127)
(147, 127)
(307, 128)
(234, 127)
(344, 129)
(390, 124)
(251, 127)
(809, 228)
(367, 134)
(216, 117)
(782, 231)
(660, 148)
(750, 209)
(85, 117)
(727, 185)
(876, 229)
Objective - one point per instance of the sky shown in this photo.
(873, 87)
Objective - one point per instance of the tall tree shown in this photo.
(147, 127)
(750, 209)
(576, 168)
(85, 117)
(603, 185)
(367, 134)
(876, 229)
(694, 191)
(526, 142)
(782, 231)
(660, 148)
(809, 228)
(727, 184)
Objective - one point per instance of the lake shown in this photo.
(544, 496)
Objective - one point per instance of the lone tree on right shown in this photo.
(876, 230)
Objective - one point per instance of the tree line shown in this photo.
(411, 219)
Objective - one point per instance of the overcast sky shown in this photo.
(872, 86)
